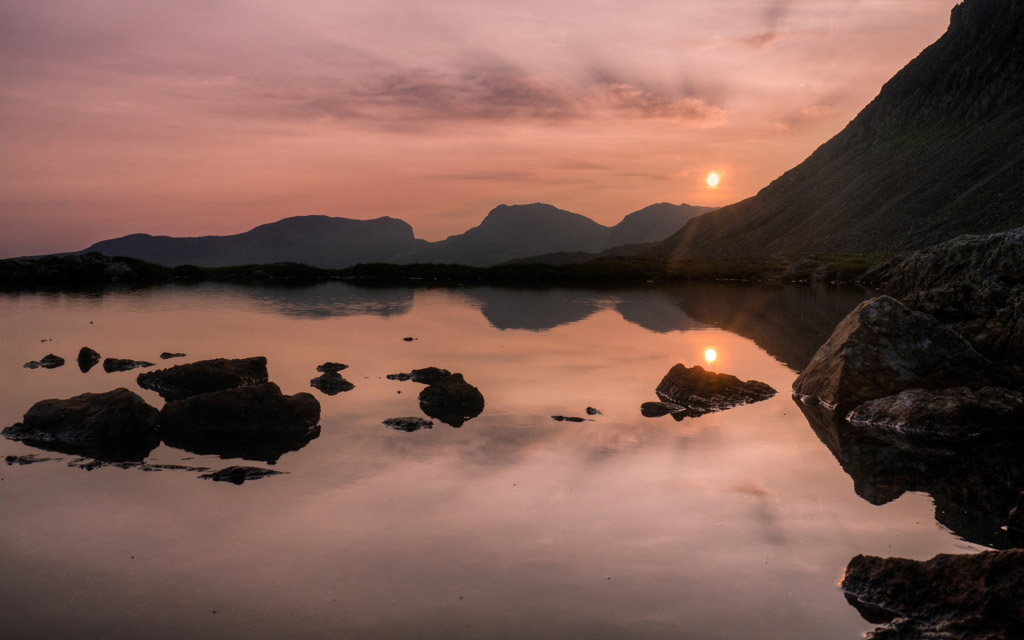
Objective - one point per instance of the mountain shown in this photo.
(320, 241)
(507, 232)
(938, 153)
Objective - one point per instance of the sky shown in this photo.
(199, 117)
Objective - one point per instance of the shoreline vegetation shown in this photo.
(95, 269)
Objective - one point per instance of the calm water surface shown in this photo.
(733, 525)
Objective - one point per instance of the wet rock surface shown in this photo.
(254, 423)
(239, 474)
(112, 365)
(451, 400)
(882, 348)
(87, 359)
(947, 414)
(332, 383)
(408, 424)
(117, 424)
(950, 597)
(205, 376)
(699, 391)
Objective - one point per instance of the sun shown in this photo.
(713, 179)
(710, 355)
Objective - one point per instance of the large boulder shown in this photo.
(950, 597)
(205, 376)
(697, 391)
(882, 348)
(948, 414)
(451, 400)
(255, 422)
(117, 424)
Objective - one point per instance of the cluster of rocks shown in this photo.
(447, 397)
(689, 392)
(330, 381)
(222, 407)
(89, 358)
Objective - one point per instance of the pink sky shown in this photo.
(202, 117)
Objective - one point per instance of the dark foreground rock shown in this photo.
(48, 361)
(186, 380)
(331, 367)
(451, 400)
(111, 365)
(699, 392)
(238, 475)
(253, 423)
(331, 383)
(950, 597)
(116, 425)
(87, 359)
(948, 414)
(408, 424)
(882, 348)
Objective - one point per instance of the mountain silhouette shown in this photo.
(938, 153)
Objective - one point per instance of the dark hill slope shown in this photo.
(938, 153)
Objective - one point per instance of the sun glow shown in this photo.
(713, 179)
(710, 355)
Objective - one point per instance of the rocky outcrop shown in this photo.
(205, 376)
(950, 597)
(882, 348)
(408, 424)
(331, 383)
(48, 361)
(698, 392)
(87, 359)
(85, 269)
(255, 422)
(451, 400)
(955, 414)
(238, 475)
(111, 365)
(117, 424)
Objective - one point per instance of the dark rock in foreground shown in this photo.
(699, 392)
(110, 365)
(238, 475)
(87, 359)
(331, 367)
(451, 400)
(331, 383)
(409, 424)
(254, 423)
(48, 361)
(117, 425)
(167, 355)
(950, 597)
(186, 380)
(948, 414)
(882, 348)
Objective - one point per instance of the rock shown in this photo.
(331, 367)
(331, 383)
(87, 359)
(882, 348)
(699, 392)
(1015, 523)
(401, 377)
(31, 458)
(33, 364)
(110, 365)
(186, 380)
(568, 419)
(659, 409)
(950, 597)
(408, 339)
(48, 361)
(254, 422)
(451, 400)
(238, 475)
(408, 424)
(117, 424)
(167, 355)
(804, 270)
(948, 414)
(427, 375)
(591, 411)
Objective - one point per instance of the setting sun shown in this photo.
(710, 355)
(713, 179)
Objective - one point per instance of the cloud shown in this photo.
(774, 28)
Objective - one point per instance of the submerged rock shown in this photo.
(950, 597)
(699, 392)
(238, 475)
(117, 424)
(87, 359)
(331, 367)
(882, 348)
(948, 414)
(110, 365)
(451, 400)
(331, 383)
(167, 355)
(409, 424)
(186, 380)
(254, 423)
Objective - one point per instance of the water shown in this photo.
(734, 525)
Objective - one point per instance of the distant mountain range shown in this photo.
(508, 232)
(938, 153)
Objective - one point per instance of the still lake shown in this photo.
(736, 524)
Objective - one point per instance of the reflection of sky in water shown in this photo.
(735, 524)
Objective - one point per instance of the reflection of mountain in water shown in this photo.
(536, 309)
(973, 488)
(334, 299)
